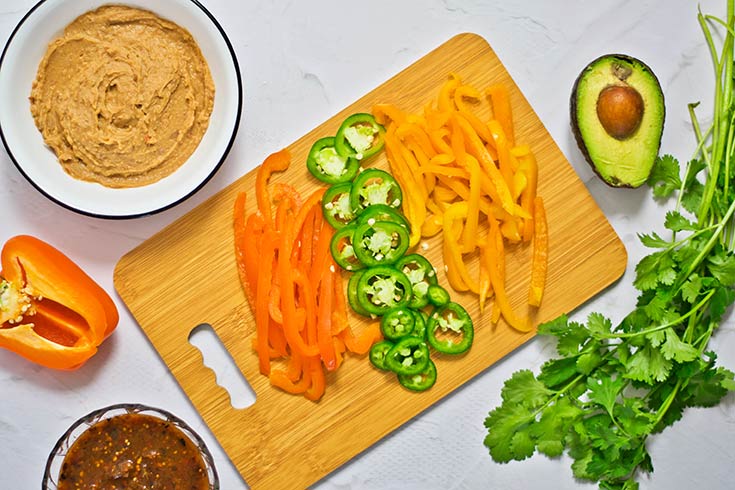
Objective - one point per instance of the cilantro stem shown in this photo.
(711, 242)
(663, 326)
(667, 403)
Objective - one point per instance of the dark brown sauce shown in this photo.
(133, 452)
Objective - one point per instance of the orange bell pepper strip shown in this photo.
(361, 344)
(279, 378)
(246, 254)
(285, 273)
(316, 374)
(324, 324)
(339, 314)
(275, 162)
(539, 263)
(51, 312)
(262, 299)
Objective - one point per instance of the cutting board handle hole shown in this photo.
(217, 358)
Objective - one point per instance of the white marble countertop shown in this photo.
(302, 62)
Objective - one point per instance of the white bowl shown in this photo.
(37, 162)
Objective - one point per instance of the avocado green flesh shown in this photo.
(628, 162)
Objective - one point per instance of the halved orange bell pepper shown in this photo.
(51, 311)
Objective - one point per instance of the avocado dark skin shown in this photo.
(617, 115)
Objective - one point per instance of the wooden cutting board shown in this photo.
(185, 275)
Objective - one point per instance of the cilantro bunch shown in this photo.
(614, 385)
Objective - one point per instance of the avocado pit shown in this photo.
(620, 110)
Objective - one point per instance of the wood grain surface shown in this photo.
(185, 275)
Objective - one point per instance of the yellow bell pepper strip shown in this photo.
(432, 225)
(416, 137)
(486, 286)
(496, 271)
(502, 112)
(385, 113)
(528, 166)
(505, 160)
(413, 206)
(438, 140)
(453, 159)
(477, 149)
(445, 101)
(469, 92)
(453, 253)
(470, 164)
(51, 312)
(539, 263)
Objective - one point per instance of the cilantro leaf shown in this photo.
(722, 298)
(653, 240)
(557, 371)
(677, 350)
(648, 365)
(653, 269)
(504, 423)
(587, 362)
(598, 325)
(664, 177)
(722, 266)
(691, 288)
(604, 391)
(675, 221)
(553, 427)
(524, 389)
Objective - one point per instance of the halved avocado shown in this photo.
(617, 116)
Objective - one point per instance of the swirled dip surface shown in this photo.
(123, 97)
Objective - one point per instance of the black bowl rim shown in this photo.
(230, 143)
(132, 408)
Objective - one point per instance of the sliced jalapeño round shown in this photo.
(422, 275)
(328, 165)
(342, 249)
(421, 381)
(379, 242)
(375, 186)
(336, 205)
(408, 356)
(352, 293)
(383, 212)
(397, 323)
(378, 353)
(437, 295)
(382, 288)
(419, 328)
(450, 329)
(359, 136)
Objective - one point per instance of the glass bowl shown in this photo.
(65, 442)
